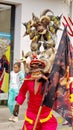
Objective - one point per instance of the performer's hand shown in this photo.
(16, 110)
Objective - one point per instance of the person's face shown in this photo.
(16, 68)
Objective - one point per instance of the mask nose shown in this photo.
(41, 47)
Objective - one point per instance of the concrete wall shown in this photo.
(24, 9)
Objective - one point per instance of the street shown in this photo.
(7, 125)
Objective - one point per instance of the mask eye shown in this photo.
(45, 45)
(49, 45)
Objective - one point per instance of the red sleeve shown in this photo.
(22, 93)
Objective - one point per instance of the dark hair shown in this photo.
(18, 64)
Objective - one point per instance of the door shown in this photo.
(7, 21)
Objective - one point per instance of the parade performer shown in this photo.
(42, 32)
(35, 84)
(16, 80)
(47, 72)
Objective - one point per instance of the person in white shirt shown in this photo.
(16, 81)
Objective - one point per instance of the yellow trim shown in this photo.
(28, 119)
(71, 98)
(41, 120)
(47, 118)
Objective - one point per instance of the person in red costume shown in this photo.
(35, 86)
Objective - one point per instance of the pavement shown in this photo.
(7, 125)
(5, 114)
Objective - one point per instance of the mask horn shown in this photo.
(46, 11)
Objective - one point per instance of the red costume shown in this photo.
(46, 120)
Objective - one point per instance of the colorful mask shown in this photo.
(42, 32)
